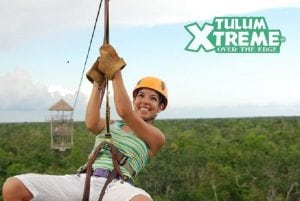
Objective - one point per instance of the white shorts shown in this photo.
(70, 188)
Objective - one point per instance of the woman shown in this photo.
(134, 136)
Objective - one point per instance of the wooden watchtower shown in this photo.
(61, 126)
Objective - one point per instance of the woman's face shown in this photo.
(146, 103)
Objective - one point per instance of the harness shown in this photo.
(118, 158)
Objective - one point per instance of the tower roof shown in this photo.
(61, 105)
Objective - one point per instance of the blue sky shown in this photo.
(38, 39)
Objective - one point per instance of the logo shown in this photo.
(234, 35)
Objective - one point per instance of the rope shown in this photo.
(106, 41)
(106, 23)
(107, 113)
(86, 58)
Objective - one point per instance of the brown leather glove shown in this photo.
(110, 62)
(94, 74)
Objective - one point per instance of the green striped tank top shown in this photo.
(128, 143)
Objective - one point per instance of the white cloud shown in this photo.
(32, 18)
(135, 12)
(24, 20)
(57, 88)
(22, 100)
(19, 94)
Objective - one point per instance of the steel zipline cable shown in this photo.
(86, 59)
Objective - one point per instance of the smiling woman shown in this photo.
(122, 148)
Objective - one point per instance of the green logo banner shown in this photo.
(234, 35)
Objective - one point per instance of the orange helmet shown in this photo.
(155, 84)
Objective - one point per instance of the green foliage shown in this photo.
(203, 159)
